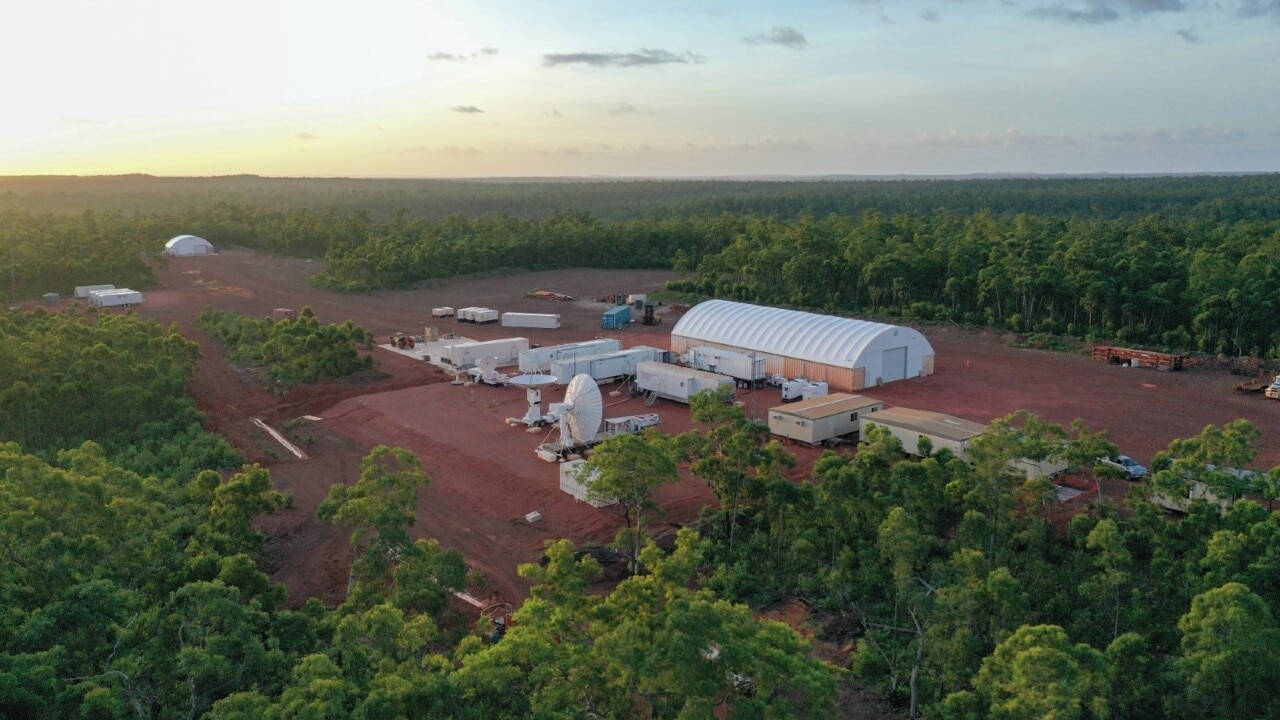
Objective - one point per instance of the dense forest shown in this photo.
(1074, 257)
(132, 579)
(290, 350)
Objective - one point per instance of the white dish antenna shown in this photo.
(582, 410)
(532, 381)
(532, 385)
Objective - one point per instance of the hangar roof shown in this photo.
(825, 339)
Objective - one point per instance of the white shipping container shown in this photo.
(678, 383)
(485, 315)
(468, 314)
(442, 312)
(572, 481)
(622, 363)
(84, 291)
(506, 351)
(727, 362)
(115, 298)
(547, 321)
(538, 360)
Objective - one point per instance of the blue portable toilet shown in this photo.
(616, 317)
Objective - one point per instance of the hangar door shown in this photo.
(893, 365)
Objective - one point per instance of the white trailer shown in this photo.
(678, 383)
(538, 360)
(467, 354)
(115, 298)
(84, 291)
(576, 482)
(548, 321)
(739, 366)
(622, 363)
(485, 315)
(468, 314)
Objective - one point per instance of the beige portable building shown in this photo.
(819, 419)
(946, 431)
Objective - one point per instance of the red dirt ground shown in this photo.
(484, 475)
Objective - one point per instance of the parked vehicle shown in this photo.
(1125, 464)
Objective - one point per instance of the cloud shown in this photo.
(466, 109)
(446, 151)
(80, 121)
(929, 15)
(552, 113)
(787, 37)
(767, 143)
(1010, 138)
(488, 51)
(639, 58)
(628, 109)
(1199, 135)
(1097, 12)
(1259, 8)
(305, 136)
(447, 57)
(1190, 36)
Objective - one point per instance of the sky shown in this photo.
(511, 88)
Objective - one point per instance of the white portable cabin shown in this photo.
(187, 245)
(678, 383)
(445, 311)
(538, 360)
(547, 321)
(739, 366)
(485, 315)
(622, 363)
(115, 298)
(84, 291)
(467, 354)
(575, 482)
(820, 419)
(468, 314)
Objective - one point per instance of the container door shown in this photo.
(894, 364)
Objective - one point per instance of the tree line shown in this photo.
(1244, 197)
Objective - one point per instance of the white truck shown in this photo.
(623, 363)
(467, 354)
(673, 382)
(740, 366)
(538, 360)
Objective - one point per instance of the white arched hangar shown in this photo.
(185, 245)
(848, 354)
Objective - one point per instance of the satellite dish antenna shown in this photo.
(581, 412)
(532, 385)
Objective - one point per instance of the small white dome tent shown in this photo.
(184, 245)
(847, 354)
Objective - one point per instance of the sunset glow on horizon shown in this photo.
(414, 88)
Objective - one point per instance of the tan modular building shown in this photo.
(945, 431)
(847, 354)
(820, 419)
